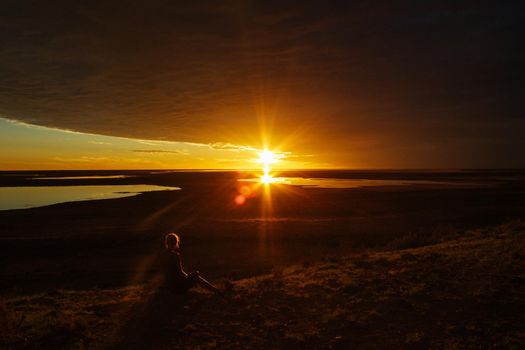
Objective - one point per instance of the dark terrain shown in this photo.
(329, 257)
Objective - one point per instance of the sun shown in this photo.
(267, 158)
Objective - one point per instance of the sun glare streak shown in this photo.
(267, 158)
(246, 191)
(267, 179)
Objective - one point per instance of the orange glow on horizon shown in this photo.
(33, 147)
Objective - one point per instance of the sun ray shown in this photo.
(267, 158)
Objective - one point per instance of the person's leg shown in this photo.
(205, 284)
(197, 278)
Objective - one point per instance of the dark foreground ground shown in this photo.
(309, 267)
(466, 291)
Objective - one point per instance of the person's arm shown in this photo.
(178, 265)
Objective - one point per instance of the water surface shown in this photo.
(81, 177)
(361, 183)
(36, 196)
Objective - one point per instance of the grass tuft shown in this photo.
(11, 322)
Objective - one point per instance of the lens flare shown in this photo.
(248, 189)
(266, 158)
(240, 199)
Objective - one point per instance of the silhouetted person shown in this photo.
(175, 278)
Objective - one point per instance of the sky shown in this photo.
(205, 84)
(29, 147)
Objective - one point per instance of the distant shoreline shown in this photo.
(409, 170)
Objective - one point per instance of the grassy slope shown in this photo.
(460, 293)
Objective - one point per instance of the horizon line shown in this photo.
(277, 170)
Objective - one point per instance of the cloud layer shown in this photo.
(355, 82)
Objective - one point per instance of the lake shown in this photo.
(36, 196)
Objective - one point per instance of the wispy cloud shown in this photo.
(152, 142)
(100, 143)
(29, 125)
(82, 159)
(183, 152)
(232, 147)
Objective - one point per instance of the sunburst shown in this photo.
(267, 158)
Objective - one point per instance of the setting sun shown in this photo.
(266, 158)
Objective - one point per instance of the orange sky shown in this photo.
(339, 84)
(29, 147)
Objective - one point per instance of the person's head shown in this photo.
(172, 241)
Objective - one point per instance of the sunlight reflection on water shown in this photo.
(36, 196)
(357, 183)
(81, 177)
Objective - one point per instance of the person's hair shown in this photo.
(172, 239)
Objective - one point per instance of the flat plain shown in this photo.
(407, 265)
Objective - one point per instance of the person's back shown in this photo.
(175, 278)
(171, 268)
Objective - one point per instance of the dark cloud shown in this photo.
(359, 82)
